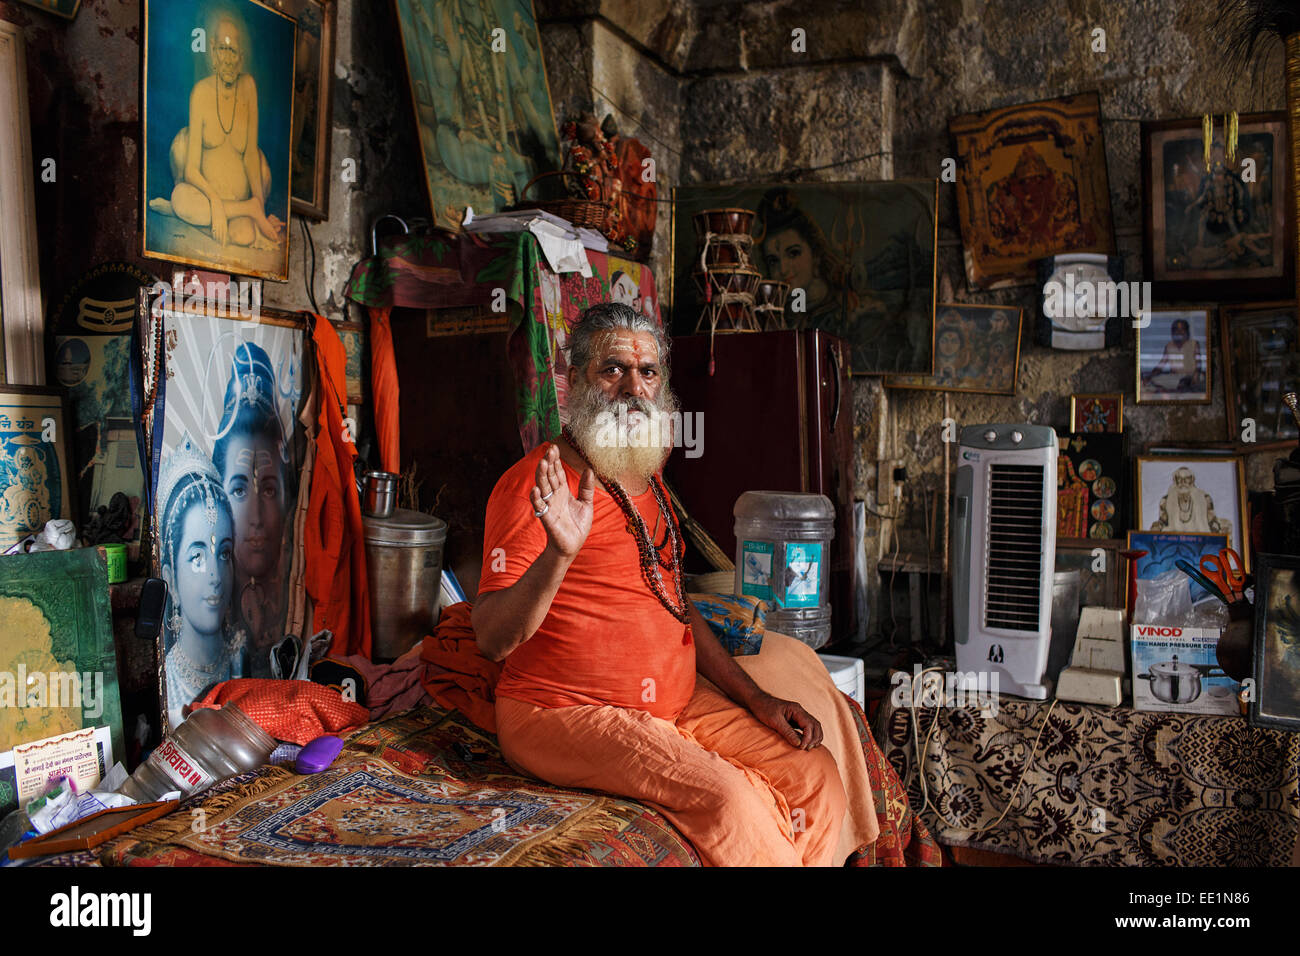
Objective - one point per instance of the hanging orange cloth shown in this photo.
(383, 385)
(335, 539)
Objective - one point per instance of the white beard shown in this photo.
(622, 438)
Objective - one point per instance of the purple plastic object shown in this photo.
(318, 754)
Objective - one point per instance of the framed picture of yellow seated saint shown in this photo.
(218, 123)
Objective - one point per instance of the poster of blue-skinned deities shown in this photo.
(226, 487)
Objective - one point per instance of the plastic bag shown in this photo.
(1165, 599)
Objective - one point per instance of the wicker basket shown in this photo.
(589, 213)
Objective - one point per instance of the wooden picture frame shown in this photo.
(1260, 345)
(89, 832)
(1097, 408)
(1049, 155)
(818, 237)
(22, 314)
(356, 344)
(1276, 701)
(1184, 225)
(313, 104)
(988, 338)
(1158, 472)
(175, 216)
(67, 9)
(1162, 351)
(470, 179)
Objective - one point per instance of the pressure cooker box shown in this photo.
(1177, 669)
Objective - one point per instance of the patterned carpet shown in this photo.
(1107, 785)
(428, 788)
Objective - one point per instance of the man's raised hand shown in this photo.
(567, 520)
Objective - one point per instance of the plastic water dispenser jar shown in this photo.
(783, 545)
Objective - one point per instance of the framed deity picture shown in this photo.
(1032, 183)
(1090, 412)
(1164, 550)
(225, 478)
(199, 203)
(313, 99)
(1102, 570)
(861, 254)
(1194, 495)
(1208, 230)
(1091, 486)
(976, 349)
(35, 479)
(1276, 702)
(1173, 358)
(483, 115)
(1261, 363)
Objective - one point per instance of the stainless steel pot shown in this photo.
(1176, 682)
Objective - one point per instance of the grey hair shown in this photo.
(606, 317)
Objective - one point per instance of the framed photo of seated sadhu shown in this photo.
(218, 119)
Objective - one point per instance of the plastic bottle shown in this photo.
(208, 746)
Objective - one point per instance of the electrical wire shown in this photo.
(309, 277)
(921, 754)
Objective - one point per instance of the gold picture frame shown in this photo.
(1079, 402)
(1166, 465)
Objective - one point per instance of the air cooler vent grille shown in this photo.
(1013, 569)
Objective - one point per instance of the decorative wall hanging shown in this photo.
(1083, 301)
(92, 355)
(1261, 362)
(1097, 412)
(56, 621)
(21, 312)
(35, 483)
(859, 259)
(199, 203)
(1173, 358)
(1092, 486)
(225, 491)
(1276, 702)
(638, 199)
(1031, 183)
(484, 118)
(1207, 233)
(976, 349)
(1201, 495)
(313, 99)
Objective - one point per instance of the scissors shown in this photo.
(1226, 572)
(1211, 586)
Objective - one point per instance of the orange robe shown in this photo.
(604, 696)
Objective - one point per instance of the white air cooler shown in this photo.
(849, 676)
(1004, 555)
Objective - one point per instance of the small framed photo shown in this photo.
(976, 349)
(1102, 571)
(1173, 358)
(313, 86)
(1194, 495)
(1261, 363)
(35, 484)
(1276, 701)
(1097, 412)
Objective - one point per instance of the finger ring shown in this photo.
(545, 497)
(538, 514)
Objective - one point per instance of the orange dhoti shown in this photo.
(733, 787)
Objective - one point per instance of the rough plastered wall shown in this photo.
(83, 79)
(1160, 63)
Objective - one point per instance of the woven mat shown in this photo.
(1107, 785)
